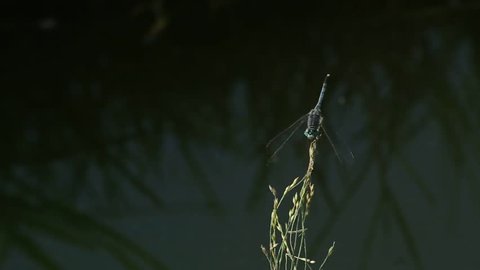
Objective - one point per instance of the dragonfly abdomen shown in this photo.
(313, 124)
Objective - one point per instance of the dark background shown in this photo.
(133, 132)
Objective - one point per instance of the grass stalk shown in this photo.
(287, 247)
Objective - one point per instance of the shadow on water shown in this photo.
(99, 126)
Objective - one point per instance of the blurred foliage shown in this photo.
(93, 87)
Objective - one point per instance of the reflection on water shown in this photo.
(154, 154)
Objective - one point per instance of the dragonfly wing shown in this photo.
(342, 151)
(276, 144)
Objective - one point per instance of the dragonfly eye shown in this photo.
(310, 133)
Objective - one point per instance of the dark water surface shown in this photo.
(134, 137)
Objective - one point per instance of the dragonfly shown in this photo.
(314, 129)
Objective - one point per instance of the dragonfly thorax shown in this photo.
(314, 123)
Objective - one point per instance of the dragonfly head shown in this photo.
(311, 133)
